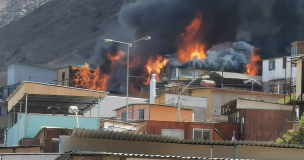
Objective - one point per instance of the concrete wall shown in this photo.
(18, 73)
(299, 78)
(29, 157)
(140, 147)
(35, 122)
(226, 129)
(160, 113)
(66, 80)
(216, 97)
(172, 99)
(247, 104)
(279, 71)
(198, 103)
(155, 112)
(133, 111)
(15, 133)
(110, 103)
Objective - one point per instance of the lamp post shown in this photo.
(129, 44)
(178, 103)
(74, 109)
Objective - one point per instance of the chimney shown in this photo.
(152, 89)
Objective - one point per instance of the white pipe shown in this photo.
(152, 89)
(77, 119)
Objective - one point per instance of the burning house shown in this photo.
(200, 35)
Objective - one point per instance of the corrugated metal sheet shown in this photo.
(143, 155)
(101, 134)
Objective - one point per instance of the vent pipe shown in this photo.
(152, 89)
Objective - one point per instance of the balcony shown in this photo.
(30, 127)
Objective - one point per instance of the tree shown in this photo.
(287, 99)
(293, 136)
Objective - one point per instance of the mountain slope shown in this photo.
(60, 32)
(12, 10)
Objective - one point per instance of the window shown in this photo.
(141, 113)
(202, 134)
(242, 125)
(294, 50)
(63, 75)
(294, 64)
(195, 74)
(237, 117)
(178, 133)
(124, 115)
(284, 63)
(271, 64)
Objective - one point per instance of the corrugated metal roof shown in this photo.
(144, 155)
(101, 134)
(233, 75)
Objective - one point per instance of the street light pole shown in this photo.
(178, 103)
(128, 56)
(127, 98)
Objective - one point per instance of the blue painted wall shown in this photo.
(35, 122)
(16, 133)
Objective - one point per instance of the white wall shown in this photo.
(109, 103)
(29, 157)
(278, 72)
(109, 126)
(186, 100)
(18, 73)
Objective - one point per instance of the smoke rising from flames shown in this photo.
(201, 33)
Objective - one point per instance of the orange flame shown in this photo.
(155, 64)
(252, 67)
(116, 57)
(189, 49)
(88, 78)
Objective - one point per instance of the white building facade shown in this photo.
(110, 103)
(274, 72)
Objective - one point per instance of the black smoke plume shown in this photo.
(270, 25)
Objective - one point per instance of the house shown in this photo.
(274, 73)
(18, 73)
(189, 130)
(258, 120)
(217, 96)
(110, 103)
(276, 70)
(140, 144)
(153, 112)
(235, 81)
(198, 104)
(34, 105)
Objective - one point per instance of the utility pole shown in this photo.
(222, 76)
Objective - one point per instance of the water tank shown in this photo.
(208, 83)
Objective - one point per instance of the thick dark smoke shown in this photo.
(231, 56)
(270, 25)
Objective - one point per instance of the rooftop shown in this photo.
(101, 134)
(131, 155)
(162, 105)
(43, 98)
(232, 75)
